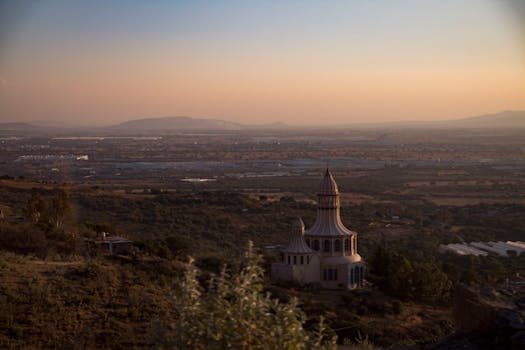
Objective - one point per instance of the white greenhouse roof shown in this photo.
(483, 248)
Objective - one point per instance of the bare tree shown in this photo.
(60, 207)
(35, 208)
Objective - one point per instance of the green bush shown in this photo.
(406, 278)
(234, 313)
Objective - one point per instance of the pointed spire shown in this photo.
(298, 224)
(328, 222)
(328, 185)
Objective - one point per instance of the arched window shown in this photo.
(295, 260)
(308, 242)
(302, 260)
(337, 245)
(352, 276)
(316, 245)
(288, 259)
(326, 245)
(347, 245)
(357, 275)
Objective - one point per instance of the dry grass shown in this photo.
(416, 323)
(97, 304)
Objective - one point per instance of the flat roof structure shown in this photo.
(484, 248)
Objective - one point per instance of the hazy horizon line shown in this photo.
(47, 122)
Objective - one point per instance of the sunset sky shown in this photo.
(300, 62)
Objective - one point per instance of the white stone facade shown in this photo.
(326, 254)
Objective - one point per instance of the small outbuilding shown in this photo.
(111, 244)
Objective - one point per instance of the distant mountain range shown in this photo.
(188, 123)
(506, 119)
(177, 123)
(497, 120)
(17, 126)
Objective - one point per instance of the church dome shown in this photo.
(297, 243)
(328, 185)
(328, 222)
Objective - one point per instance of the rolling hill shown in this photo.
(505, 119)
(501, 120)
(17, 126)
(177, 123)
(181, 123)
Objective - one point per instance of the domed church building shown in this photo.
(326, 253)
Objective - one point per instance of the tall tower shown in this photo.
(341, 265)
(328, 235)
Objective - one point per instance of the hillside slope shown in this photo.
(498, 120)
(178, 123)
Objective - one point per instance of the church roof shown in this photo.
(328, 222)
(297, 243)
(328, 185)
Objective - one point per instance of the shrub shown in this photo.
(23, 239)
(235, 313)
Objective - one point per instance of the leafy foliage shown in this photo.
(409, 279)
(233, 312)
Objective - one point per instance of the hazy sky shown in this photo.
(104, 61)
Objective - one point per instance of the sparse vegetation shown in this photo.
(57, 294)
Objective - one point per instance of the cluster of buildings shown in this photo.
(52, 157)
